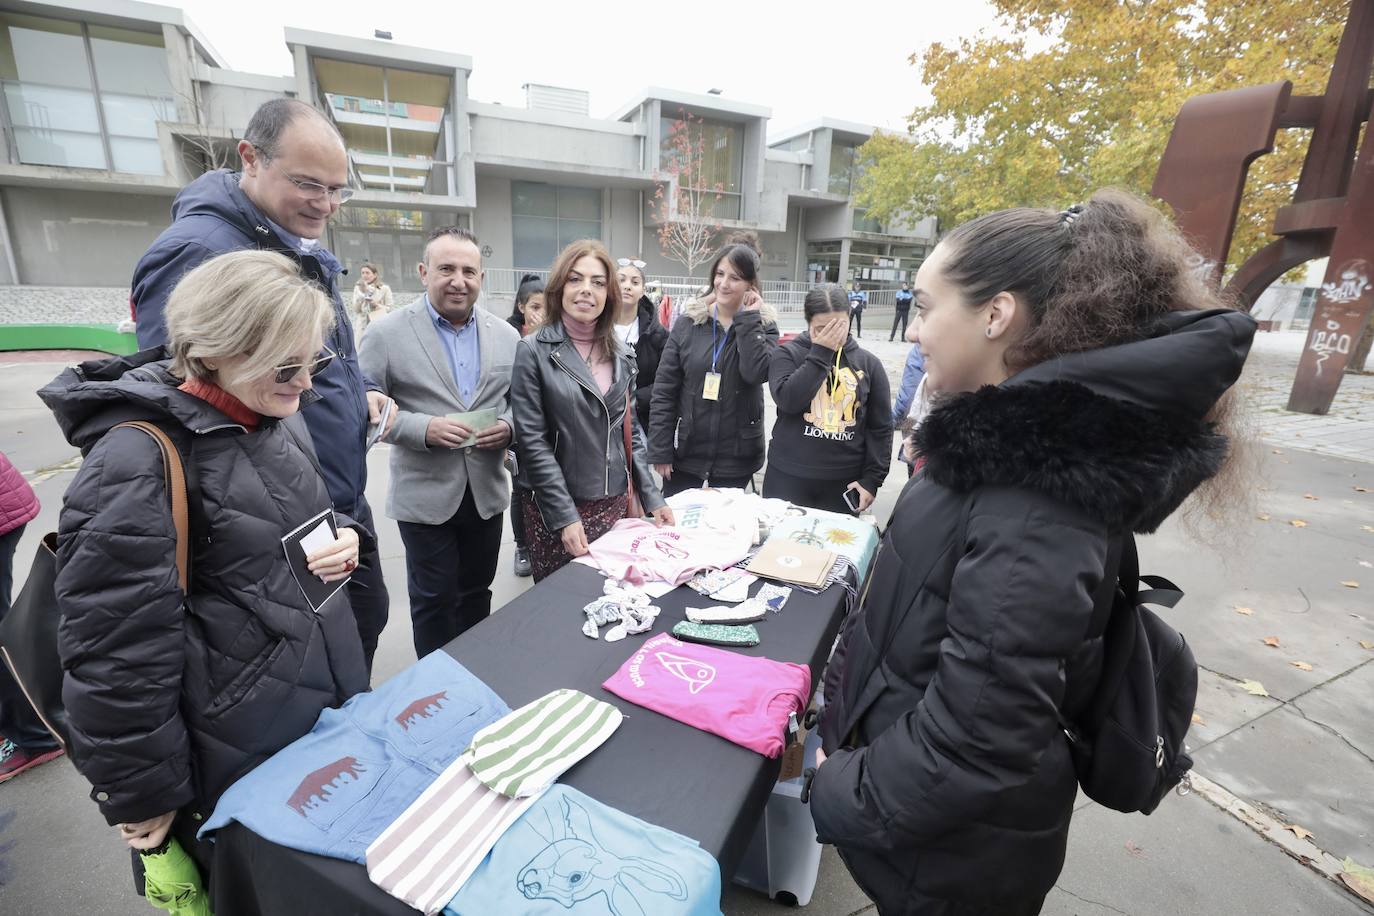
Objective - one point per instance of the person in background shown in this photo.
(528, 311)
(172, 696)
(442, 358)
(293, 180)
(912, 398)
(833, 433)
(901, 310)
(24, 741)
(572, 391)
(638, 328)
(371, 297)
(525, 317)
(858, 301)
(706, 413)
(1085, 372)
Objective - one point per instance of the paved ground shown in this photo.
(1302, 756)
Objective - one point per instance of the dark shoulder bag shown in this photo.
(28, 633)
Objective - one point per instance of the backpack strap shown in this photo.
(175, 474)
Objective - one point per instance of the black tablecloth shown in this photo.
(653, 767)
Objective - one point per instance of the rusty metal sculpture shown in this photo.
(1202, 176)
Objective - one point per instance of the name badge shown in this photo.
(710, 389)
(831, 420)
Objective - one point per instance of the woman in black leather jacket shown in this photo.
(572, 396)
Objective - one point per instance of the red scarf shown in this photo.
(222, 401)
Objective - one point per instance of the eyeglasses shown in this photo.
(316, 190)
(630, 262)
(285, 374)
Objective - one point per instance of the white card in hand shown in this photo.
(322, 536)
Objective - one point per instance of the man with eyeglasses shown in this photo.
(293, 180)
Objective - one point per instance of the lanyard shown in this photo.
(716, 350)
(835, 375)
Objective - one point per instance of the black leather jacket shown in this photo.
(570, 438)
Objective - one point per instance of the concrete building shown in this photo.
(109, 107)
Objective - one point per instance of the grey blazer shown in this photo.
(402, 353)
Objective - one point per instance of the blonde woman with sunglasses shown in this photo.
(172, 696)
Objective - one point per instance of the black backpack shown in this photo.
(1128, 745)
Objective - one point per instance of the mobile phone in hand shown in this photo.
(851, 499)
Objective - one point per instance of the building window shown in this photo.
(721, 164)
(393, 122)
(862, 222)
(84, 96)
(546, 217)
(843, 172)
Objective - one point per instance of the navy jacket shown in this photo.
(211, 216)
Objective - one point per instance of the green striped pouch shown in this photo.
(525, 752)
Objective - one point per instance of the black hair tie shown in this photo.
(1068, 215)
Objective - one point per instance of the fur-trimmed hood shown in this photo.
(1120, 433)
(698, 311)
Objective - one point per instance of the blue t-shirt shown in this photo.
(334, 790)
(571, 852)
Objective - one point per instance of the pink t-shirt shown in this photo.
(638, 551)
(741, 698)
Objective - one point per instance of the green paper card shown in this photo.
(475, 420)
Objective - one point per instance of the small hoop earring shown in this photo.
(989, 332)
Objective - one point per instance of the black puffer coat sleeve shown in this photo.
(1019, 606)
(664, 403)
(122, 631)
(757, 338)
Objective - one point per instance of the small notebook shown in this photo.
(316, 533)
(788, 561)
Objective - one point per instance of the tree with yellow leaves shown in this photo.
(1084, 95)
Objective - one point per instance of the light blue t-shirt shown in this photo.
(334, 790)
(571, 852)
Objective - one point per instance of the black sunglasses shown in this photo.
(285, 374)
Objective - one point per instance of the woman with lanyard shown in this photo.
(637, 327)
(832, 440)
(706, 415)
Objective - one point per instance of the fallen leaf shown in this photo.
(1350, 583)
(1247, 611)
(1134, 850)
(1254, 688)
(1310, 496)
(1277, 452)
(1366, 644)
(1301, 833)
(1362, 489)
(1271, 641)
(1369, 528)
(1263, 516)
(1298, 523)
(1301, 666)
(1198, 720)
(1359, 879)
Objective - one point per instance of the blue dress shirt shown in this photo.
(460, 345)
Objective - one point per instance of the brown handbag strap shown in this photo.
(175, 474)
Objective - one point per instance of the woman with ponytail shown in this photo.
(1084, 373)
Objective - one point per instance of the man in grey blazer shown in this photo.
(439, 356)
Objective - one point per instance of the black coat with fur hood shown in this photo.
(949, 784)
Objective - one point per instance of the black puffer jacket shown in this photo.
(949, 786)
(724, 437)
(167, 705)
(653, 337)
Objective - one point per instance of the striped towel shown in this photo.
(427, 854)
(523, 753)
